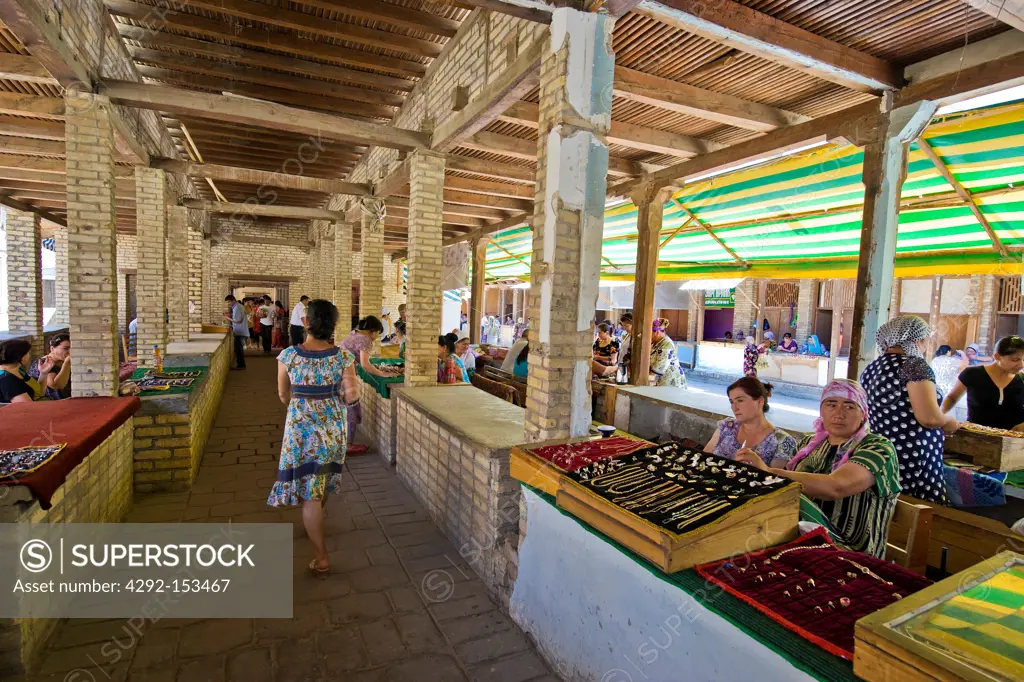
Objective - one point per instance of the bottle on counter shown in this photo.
(158, 360)
(622, 374)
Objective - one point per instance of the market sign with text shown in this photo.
(718, 299)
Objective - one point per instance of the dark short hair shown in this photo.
(605, 327)
(787, 334)
(321, 318)
(524, 353)
(943, 349)
(400, 327)
(58, 339)
(229, 297)
(278, 304)
(1010, 345)
(626, 317)
(446, 343)
(370, 324)
(303, 298)
(753, 387)
(13, 350)
(452, 337)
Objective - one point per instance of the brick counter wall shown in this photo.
(99, 490)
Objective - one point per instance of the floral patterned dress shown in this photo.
(665, 364)
(751, 354)
(776, 449)
(314, 443)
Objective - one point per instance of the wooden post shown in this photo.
(699, 335)
(762, 297)
(837, 324)
(933, 317)
(885, 168)
(476, 295)
(650, 204)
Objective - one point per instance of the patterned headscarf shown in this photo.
(843, 389)
(660, 325)
(903, 331)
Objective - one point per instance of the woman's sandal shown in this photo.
(320, 573)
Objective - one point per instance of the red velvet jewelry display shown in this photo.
(813, 588)
(573, 456)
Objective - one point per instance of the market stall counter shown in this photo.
(726, 359)
(453, 454)
(378, 405)
(61, 462)
(178, 409)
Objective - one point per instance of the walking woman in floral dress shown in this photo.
(317, 381)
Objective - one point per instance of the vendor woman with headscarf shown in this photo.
(664, 359)
(904, 406)
(851, 474)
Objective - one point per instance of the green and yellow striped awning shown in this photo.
(801, 215)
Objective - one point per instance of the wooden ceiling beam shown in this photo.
(251, 176)
(1009, 12)
(748, 30)
(455, 209)
(26, 127)
(20, 145)
(41, 212)
(471, 199)
(56, 167)
(267, 94)
(313, 154)
(25, 69)
(255, 37)
(707, 104)
(162, 41)
(264, 210)
(450, 218)
(261, 114)
(493, 169)
(209, 67)
(309, 23)
(261, 160)
(498, 189)
(198, 127)
(519, 148)
(540, 16)
(393, 15)
(625, 134)
(32, 105)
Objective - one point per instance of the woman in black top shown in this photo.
(16, 386)
(995, 392)
(606, 350)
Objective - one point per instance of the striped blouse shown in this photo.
(861, 520)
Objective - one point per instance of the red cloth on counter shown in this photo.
(82, 423)
(763, 579)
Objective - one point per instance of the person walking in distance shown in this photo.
(268, 315)
(298, 326)
(240, 327)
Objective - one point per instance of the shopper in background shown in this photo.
(240, 326)
(297, 322)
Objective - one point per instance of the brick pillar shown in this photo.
(426, 185)
(572, 163)
(151, 283)
(806, 302)
(988, 311)
(314, 272)
(195, 282)
(746, 306)
(210, 309)
(60, 249)
(371, 283)
(25, 278)
(92, 244)
(177, 274)
(327, 268)
(343, 278)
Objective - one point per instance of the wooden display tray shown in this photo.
(756, 525)
(994, 452)
(537, 472)
(884, 654)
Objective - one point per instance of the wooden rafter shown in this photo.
(17, 205)
(260, 114)
(674, 234)
(18, 103)
(252, 176)
(707, 104)
(757, 33)
(393, 15)
(24, 68)
(541, 16)
(294, 212)
(963, 193)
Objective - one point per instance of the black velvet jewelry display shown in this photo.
(676, 488)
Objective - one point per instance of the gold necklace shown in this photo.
(708, 512)
(866, 571)
(793, 549)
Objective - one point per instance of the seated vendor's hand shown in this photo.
(748, 456)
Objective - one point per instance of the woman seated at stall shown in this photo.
(664, 360)
(974, 356)
(16, 386)
(852, 474)
(995, 392)
(450, 369)
(509, 363)
(360, 341)
(788, 345)
(606, 351)
(56, 381)
(521, 366)
(750, 431)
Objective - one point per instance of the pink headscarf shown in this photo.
(843, 389)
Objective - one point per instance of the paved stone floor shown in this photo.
(400, 605)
